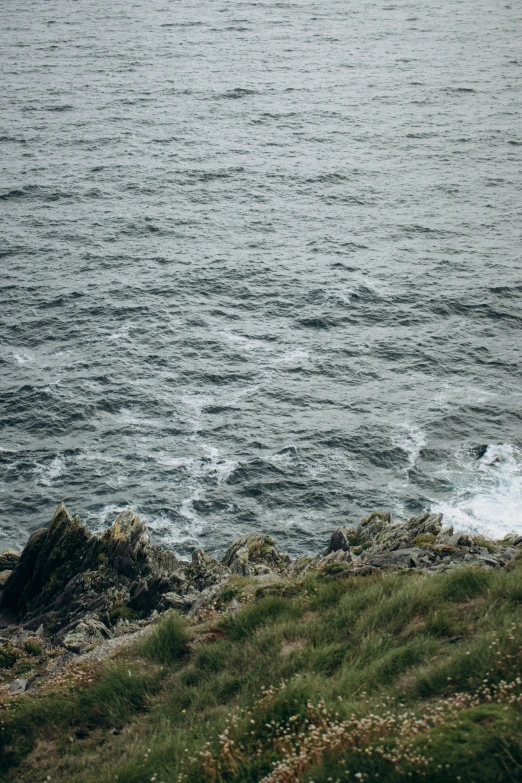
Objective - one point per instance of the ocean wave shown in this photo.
(487, 495)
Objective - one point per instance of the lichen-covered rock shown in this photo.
(337, 556)
(87, 634)
(205, 570)
(66, 574)
(401, 558)
(254, 554)
(129, 550)
(377, 533)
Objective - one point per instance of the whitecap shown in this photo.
(410, 439)
(48, 473)
(23, 358)
(123, 333)
(488, 493)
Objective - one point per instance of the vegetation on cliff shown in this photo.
(391, 676)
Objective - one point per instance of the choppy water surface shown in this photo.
(260, 264)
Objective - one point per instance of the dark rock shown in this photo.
(341, 539)
(22, 574)
(66, 575)
(517, 541)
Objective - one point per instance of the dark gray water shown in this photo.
(260, 264)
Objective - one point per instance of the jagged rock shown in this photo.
(517, 541)
(341, 539)
(455, 540)
(66, 574)
(128, 547)
(9, 559)
(18, 686)
(183, 603)
(23, 572)
(378, 533)
(204, 599)
(255, 554)
(51, 558)
(401, 558)
(205, 570)
(147, 594)
(87, 634)
(302, 564)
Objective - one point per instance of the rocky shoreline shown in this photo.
(71, 593)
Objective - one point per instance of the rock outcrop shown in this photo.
(76, 591)
(254, 555)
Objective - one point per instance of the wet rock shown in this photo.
(254, 554)
(9, 559)
(18, 686)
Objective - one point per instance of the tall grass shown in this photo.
(402, 676)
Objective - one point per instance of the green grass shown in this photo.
(416, 673)
(167, 643)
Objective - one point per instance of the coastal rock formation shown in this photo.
(253, 555)
(74, 590)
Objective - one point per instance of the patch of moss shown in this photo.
(8, 655)
(122, 612)
(332, 569)
(25, 666)
(33, 647)
(425, 540)
(483, 542)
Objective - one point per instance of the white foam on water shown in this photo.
(23, 357)
(48, 473)
(123, 333)
(293, 356)
(253, 344)
(221, 466)
(410, 439)
(488, 494)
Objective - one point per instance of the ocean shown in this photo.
(260, 265)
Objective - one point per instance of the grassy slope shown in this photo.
(390, 678)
